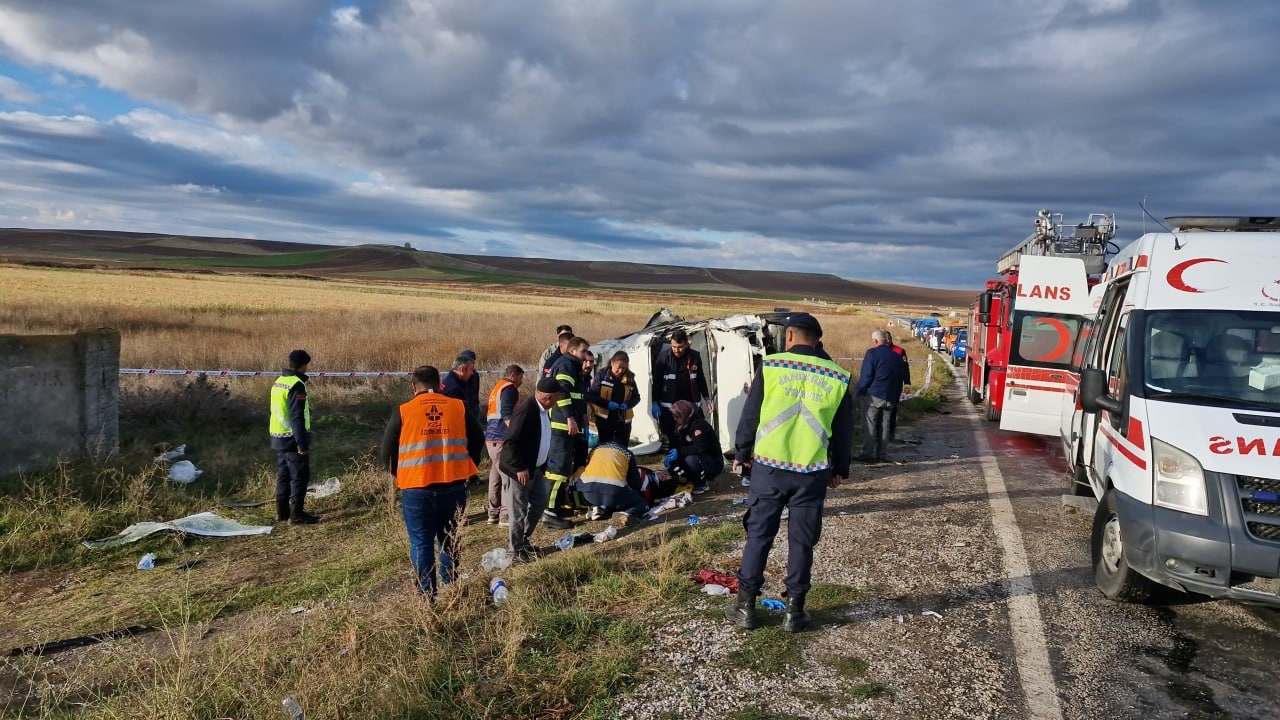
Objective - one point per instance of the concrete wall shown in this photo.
(59, 398)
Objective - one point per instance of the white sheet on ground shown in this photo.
(206, 523)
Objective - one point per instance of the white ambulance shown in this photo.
(1175, 426)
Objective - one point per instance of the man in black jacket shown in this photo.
(678, 374)
(459, 383)
(523, 462)
(290, 428)
(695, 454)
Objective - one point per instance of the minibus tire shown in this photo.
(1111, 570)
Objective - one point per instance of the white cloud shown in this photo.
(15, 92)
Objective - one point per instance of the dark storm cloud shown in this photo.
(909, 141)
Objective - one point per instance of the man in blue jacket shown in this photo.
(879, 388)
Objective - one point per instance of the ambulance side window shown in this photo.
(1098, 350)
(1117, 373)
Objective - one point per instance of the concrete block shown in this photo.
(59, 398)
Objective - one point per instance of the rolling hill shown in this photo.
(93, 248)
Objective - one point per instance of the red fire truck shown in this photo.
(1024, 324)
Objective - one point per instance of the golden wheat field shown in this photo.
(236, 322)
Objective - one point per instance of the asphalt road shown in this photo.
(978, 602)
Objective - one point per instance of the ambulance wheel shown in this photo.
(993, 412)
(1111, 570)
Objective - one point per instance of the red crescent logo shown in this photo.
(1175, 275)
(1268, 295)
(1064, 339)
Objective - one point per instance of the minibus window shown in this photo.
(1219, 357)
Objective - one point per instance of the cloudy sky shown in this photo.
(909, 141)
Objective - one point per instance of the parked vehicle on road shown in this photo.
(1173, 421)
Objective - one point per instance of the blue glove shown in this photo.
(771, 604)
(670, 459)
(655, 410)
(614, 405)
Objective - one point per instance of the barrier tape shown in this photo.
(343, 374)
(270, 373)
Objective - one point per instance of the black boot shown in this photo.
(743, 611)
(282, 509)
(301, 517)
(796, 619)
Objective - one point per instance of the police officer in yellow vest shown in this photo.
(431, 449)
(291, 439)
(796, 432)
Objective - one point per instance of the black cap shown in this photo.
(805, 321)
(298, 358)
(471, 354)
(547, 385)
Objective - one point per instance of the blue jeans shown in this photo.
(431, 516)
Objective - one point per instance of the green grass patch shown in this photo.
(769, 650)
(849, 667)
(278, 260)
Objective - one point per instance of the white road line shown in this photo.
(1030, 647)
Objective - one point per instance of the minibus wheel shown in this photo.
(1111, 570)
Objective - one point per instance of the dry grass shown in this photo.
(570, 638)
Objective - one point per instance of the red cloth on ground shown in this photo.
(711, 577)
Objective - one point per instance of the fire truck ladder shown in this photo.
(1086, 242)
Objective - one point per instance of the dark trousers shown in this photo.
(525, 504)
(561, 462)
(293, 474)
(615, 430)
(875, 426)
(698, 469)
(771, 491)
(614, 497)
(431, 516)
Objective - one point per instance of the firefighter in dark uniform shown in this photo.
(695, 456)
(796, 432)
(678, 374)
(290, 428)
(568, 421)
(613, 396)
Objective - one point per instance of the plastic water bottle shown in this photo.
(739, 501)
(292, 708)
(606, 534)
(147, 562)
(498, 589)
(565, 542)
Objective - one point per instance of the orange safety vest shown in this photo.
(608, 386)
(433, 442)
(495, 399)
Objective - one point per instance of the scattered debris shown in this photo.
(605, 535)
(205, 524)
(931, 613)
(693, 519)
(674, 502)
(185, 472)
(712, 577)
(771, 604)
(960, 544)
(496, 559)
(173, 454)
(899, 619)
(324, 489)
(740, 501)
(714, 589)
(148, 562)
(83, 640)
(190, 564)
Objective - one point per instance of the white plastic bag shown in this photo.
(325, 489)
(714, 589)
(496, 559)
(185, 472)
(173, 454)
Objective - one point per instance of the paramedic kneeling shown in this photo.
(796, 431)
